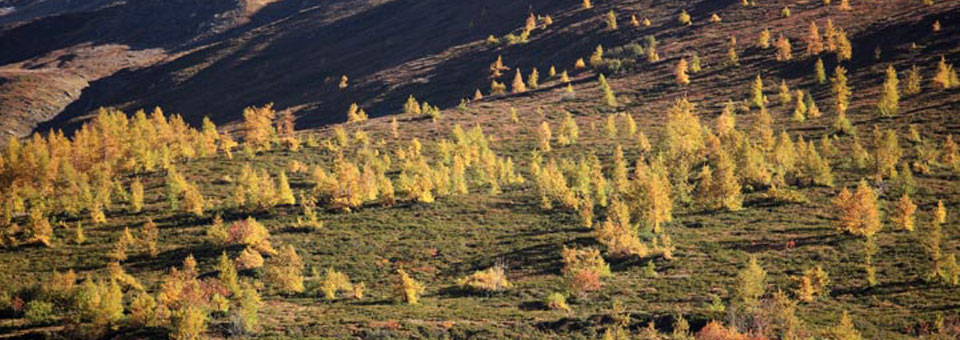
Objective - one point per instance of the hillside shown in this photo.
(630, 201)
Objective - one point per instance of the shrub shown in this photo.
(494, 279)
(557, 301)
(39, 312)
(716, 331)
(582, 269)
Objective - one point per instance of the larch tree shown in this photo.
(763, 40)
(136, 196)
(533, 80)
(889, 103)
(912, 85)
(684, 18)
(841, 91)
(819, 73)
(611, 20)
(751, 284)
(814, 41)
(518, 85)
(544, 135)
(756, 92)
(609, 97)
(732, 57)
(903, 214)
(681, 72)
(946, 77)
(286, 270)
(784, 50)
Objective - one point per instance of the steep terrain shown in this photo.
(293, 53)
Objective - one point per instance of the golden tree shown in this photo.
(285, 271)
(533, 80)
(732, 57)
(136, 196)
(149, 235)
(609, 97)
(681, 72)
(756, 93)
(544, 136)
(814, 41)
(912, 85)
(844, 48)
(497, 68)
(258, 126)
(355, 114)
(284, 193)
(518, 85)
(946, 76)
(841, 91)
(684, 18)
(784, 50)
(903, 215)
(751, 284)
(819, 73)
(889, 103)
(611, 20)
(763, 40)
(408, 290)
(857, 213)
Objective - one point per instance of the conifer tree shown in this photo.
(533, 81)
(518, 85)
(763, 40)
(608, 96)
(579, 64)
(408, 289)
(497, 68)
(911, 85)
(946, 76)
(732, 57)
(150, 233)
(756, 93)
(286, 270)
(412, 106)
(800, 110)
(814, 41)
(681, 72)
(227, 274)
(684, 18)
(695, 66)
(193, 200)
(845, 329)
(611, 20)
(284, 193)
(857, 212)
(841, 91)
(544, 136)
(844, 48)
(889, 102)
(136, 196)
(750, 285)
(820, 74)
(355, 114)
(596, 59)
(249, 306)
(633, 21)
(903, 216)
(79, 238)
(784, 50)
(587, 4)
(784, 94)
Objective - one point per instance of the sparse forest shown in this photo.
(686, 170)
